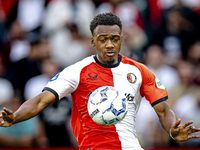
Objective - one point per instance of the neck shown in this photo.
(107, 62)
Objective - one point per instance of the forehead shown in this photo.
(107, 29)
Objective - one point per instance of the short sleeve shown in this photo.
(62, 83)
(67, 81)
(153, 90)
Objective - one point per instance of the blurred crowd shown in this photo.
(38, 38)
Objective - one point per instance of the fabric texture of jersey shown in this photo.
(129, 76)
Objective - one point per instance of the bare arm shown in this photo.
(170, 123)
(166, 115)
(27, 110)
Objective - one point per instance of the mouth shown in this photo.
(110, 53)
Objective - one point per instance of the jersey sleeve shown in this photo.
(153, 90)
(64, 82)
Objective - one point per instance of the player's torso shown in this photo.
(125, 77)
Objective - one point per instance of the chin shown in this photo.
(110, 62)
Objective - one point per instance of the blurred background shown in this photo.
(39, 38)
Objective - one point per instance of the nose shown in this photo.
(109, 44)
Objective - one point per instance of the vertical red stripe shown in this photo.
(89, 134)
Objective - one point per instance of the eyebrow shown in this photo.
(107, 34)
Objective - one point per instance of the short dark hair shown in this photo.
(105, 19)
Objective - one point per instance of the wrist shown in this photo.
(171, 134)
(14, 119)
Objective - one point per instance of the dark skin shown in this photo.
(107, 40)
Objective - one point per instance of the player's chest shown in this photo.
(124, 77)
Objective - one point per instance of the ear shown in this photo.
(122, 38)
(92, 42)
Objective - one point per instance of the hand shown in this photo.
(182, 132)
(6, 117)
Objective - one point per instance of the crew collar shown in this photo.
(108, 66)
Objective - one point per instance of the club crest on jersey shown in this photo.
(55, 77)
(131, 78)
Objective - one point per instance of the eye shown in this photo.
(115, 39)
(103, 40)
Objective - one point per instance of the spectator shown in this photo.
(33, 8)
(170, 3)
(194, 53)
(61, 18)
(3, 67)
(5, 88)
(19, 46)
(193, 56)
(2, 23)
(155, 60)
(133, 25)
(5, 85)
(29, 66)
(186, 86)
(55, 129)
(197, 75)
(178, 31)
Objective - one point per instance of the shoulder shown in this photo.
(74, 70)
(82, 63)
(146, 75)
(140, 66)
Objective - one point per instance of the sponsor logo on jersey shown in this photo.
(93, 77)
(129, 97)
(131, 78)
(55, 77)
(159, 84)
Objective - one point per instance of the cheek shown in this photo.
(118, 47)
(100, 47)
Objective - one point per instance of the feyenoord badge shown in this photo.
(131, 78)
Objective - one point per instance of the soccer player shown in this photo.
(109, 68)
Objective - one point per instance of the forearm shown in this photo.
(166, 116)
(167, 119)
(33, 107)
(26, 111)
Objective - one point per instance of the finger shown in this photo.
(187, 124)
(193, 137)
(192, 129)
(7, 111)
(1, 121)
(177, 123)
(2, 114)
(2, 118)
(197, 130)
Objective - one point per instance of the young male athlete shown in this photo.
(109, 68)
